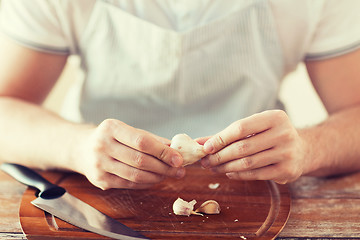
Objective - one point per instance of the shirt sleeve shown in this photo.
(337, 31)
(34, 24)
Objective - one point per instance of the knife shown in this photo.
(56, 201)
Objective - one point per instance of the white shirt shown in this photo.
(294, 30)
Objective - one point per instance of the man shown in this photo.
(152, 69)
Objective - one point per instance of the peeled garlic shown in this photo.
(209, 207)
(181, 207)
(190, 150)
(184, 208)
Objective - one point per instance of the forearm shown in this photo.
(333, 147)
(33, 136)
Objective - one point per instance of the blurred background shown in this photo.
(301, 101)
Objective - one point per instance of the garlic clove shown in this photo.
(190, 150)
(209, 207)
(184, 208)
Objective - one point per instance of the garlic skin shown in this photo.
(209, 207)
(190, 150)
(184, 208)
(213, 186)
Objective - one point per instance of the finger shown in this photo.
(264, 173)
(240, 149)
(161, 139)
(239, 130)
(130, 173)
(202, 140)
(142, 161)
(145, 142)
(258, 160)
(271, 172)
(112, 181)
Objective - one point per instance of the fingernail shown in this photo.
(180, 173)
(176, 161)
(209, 147)
(230, 175)
(205, 162)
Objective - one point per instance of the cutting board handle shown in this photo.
(31, 178)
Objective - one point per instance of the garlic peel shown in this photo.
(182, 207)
(213, 186)
(190, 150)
(209, 207)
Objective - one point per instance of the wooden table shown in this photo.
(321, 208)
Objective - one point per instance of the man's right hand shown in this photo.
(116, 155)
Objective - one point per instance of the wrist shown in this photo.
(77, 139)
(316, 152)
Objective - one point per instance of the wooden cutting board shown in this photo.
(249, 209)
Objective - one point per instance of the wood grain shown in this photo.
(255, 209)
(325, 208)
(10, 196)
(334, 202)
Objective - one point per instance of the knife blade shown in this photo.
(58, 202)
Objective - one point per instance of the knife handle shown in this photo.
(31, 178)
